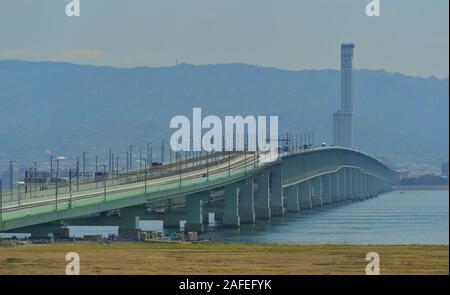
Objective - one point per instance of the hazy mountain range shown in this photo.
(67, 108)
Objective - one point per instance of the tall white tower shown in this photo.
(343, 119)
(346, 77)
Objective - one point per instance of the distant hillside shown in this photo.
(68, 108)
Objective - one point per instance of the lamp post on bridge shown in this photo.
(128, 164)
(60, 158)
(84, 164)
(96, 169)
(131, 157)
(11, 178)
(162, 152)
(1, 201)
(20, 184)
(35, 175)
(149, 154)
(29, 179)
(140, 160)
(110, 160)
(117, 169)
(207, 166)
(229, 163)
(145, 176)
(104, 180)
(180, 170)
(70, 188)
(112, 168)
(78, 174)
(51, 168)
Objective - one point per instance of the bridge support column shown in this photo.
(342, 182)
(173, 217)
(129, 224)
(276, 196)
(334, 185)
(353, 183)
(213, 207)
(316, 192)
(370, 187)
(194, 207)
(326, 189)
(305, 195)
(348, 183)
(374, 186)
(246, 202)
(291, 193)
(262, 205)
(366, 186)
(172, 221)
(231, 210)
(205, 216)
(358, 185)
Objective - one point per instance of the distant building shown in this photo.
(343, 119)
(444, 170)
(343, 129)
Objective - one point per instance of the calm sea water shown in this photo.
(411, 217)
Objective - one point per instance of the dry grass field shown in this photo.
(134, 258)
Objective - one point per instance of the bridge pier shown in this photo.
(342, 187)
(246, 202)
(173, 217)
(276, 194)
(334, 187)
(231, 210)
(305, 195)
(370, 191)
(359, 191)
(353, 195)
(365, 185)
(194, 207)
(326, 189)
(129, 223)
(316, 192)
(348, 184)
(374, 188)
(370, 187)
(213, 207)
(262, 200)
(293, 204)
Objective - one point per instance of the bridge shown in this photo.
(238, 187)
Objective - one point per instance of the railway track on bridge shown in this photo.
(198, 175)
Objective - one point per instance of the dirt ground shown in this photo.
(140, 258)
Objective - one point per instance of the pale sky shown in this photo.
(410, 36)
